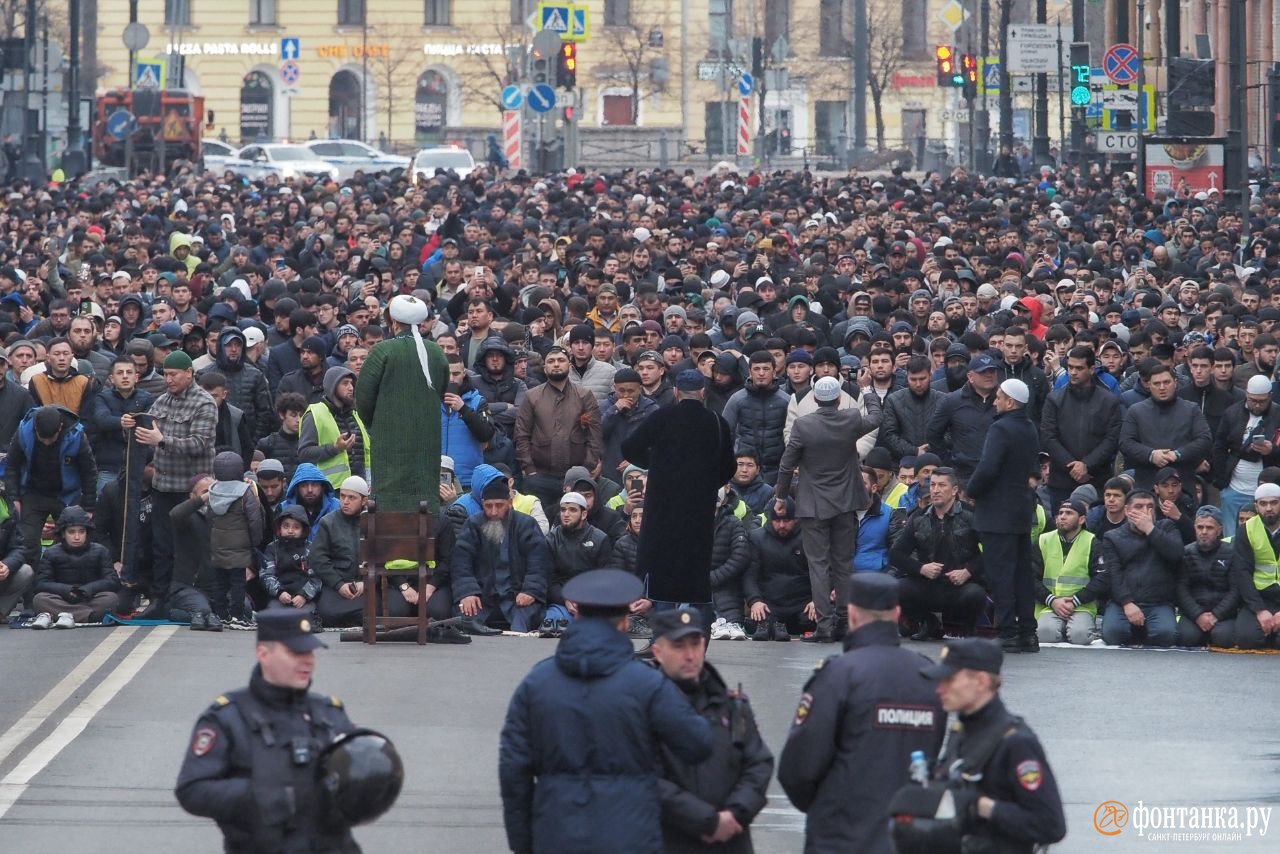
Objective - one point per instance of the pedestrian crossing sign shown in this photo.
(148, 74)
(571, 20)
(554, 18)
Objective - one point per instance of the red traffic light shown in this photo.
(969, 63)
(570, 52)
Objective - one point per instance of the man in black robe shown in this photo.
(688, 450)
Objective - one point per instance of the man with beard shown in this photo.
(1207, 593)
(1069, 581)
(1253, 563)
(624, 411)
(954, 371)
(1080, 428)
(501, 565)
(311, 491)
(331, 434)
(287, 355)
(495, 379)
(1164, 431)
(557, 428)
(907, 412)
(81, 334)
(308, 379)
(576, 547)
(247, 386)
(465, 429)
(1265, 351)
(776, 583)
(688, 452)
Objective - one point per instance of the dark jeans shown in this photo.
(1006, 564)
(35, 509)
(1248, 631)
(226, 592)
(921, 597)
(1222, 634)
(162, 503)
(1159, 628)
(504, 612)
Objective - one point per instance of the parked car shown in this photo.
(219, 157)
(351, 155)
(428, 160)
(284, 160)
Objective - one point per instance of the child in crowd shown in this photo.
(235, 527)
(285, 573)
(282, 445)
(76, 582)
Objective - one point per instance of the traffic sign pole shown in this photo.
(513, 139)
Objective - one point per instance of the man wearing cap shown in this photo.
(715, 800)
(576, 547)
(861, 716)
(404, 377)
(776, 583)
(1017, 806)
(1003, 510)
(247, 386)
(252, 764)
(568, 787)
(1208, 597)
(1243, 446)
(1174, 504)
(958, 426)
(586, 370)
(183, 429)
(622, 412)
(1257, 572)
(821, 463)
(688, 451)
(1069, 580)
(501, 565)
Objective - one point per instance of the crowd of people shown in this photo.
(1054, 396)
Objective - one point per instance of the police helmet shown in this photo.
(362, 774)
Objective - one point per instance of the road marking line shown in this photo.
(15, 783)
(59, 693)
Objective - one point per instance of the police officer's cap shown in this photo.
(675, 624)
(604, 588)
(873, 591)
(289, 627)
(966, 654)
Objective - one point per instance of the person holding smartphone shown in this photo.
(1245, 444)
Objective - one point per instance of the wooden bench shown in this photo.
(389, 536)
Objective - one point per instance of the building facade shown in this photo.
(416, 72)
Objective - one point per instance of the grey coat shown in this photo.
(824, 448)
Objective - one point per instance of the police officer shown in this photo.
(578, 757)
(708, 806)
(252, 764)
(861, 716)
(1017, 807)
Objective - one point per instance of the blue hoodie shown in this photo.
(328, 503)
(483, 475)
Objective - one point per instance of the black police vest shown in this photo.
(291, 814)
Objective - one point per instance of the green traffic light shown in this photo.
(957, 80)
(1081, 96)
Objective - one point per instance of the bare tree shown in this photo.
(488, 73)
(397, 66)
(885, 57)
(632, 58)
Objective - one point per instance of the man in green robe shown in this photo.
(398, 398)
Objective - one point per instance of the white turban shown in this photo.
(411, 311)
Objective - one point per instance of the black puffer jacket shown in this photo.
(735, 778)
(730, 554)
(627, 552)
(757, 417)
(1031, 374)
(1144, 570)
(778, 573)
(504, 393)
(1205, 583)
(88, 568)
(958, 428)
(576, 552)
(281, 446)
(247, 386)
(905, 421)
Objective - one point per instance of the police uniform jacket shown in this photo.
(735, 778)
(859, 719)
(578, 756)
(251, 767)
(1028, 810)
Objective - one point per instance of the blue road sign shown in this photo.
(746, 84)
(1122, 64)
(147, 75)
(555, 18)
(290, 72)
(542, 98)
(291, 48)
(512, 97)
(121, 123)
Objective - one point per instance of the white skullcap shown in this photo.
(1266, 490)
(988, 291)
(355, 483)
(1258, 384)
(253, 337)
(719, 279)
(1016, 389)
(826, 390)
(574, 498)
(446, 462)
(642, 234)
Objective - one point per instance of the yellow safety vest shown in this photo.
(895, 494)
(337, 468)
(1066, 577)
(1042, 521)
(1266, 569)
(524, 504)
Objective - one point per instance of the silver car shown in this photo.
(284, 160)
(351, 156)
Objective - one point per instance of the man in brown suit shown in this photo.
(823, 449)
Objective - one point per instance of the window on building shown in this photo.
(262, 12)
(617, 13)
(721, 127)
(829, 128)
(350, 13)
(719, 25)
(521, 10)
(436, 13)
(177, 13)
(915, 29)
(618, 109)
(831, 38)
(777, 22)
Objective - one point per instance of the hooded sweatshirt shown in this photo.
(310, 473)
(235, 514)
(481, 476)
(284, 562)
(1035, 327)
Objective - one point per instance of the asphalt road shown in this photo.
(94, 722)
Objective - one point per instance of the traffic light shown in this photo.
(945, 56)
(542, 54)
(969, 67)
(569, 115)
(567, 69)
(1081, 94)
